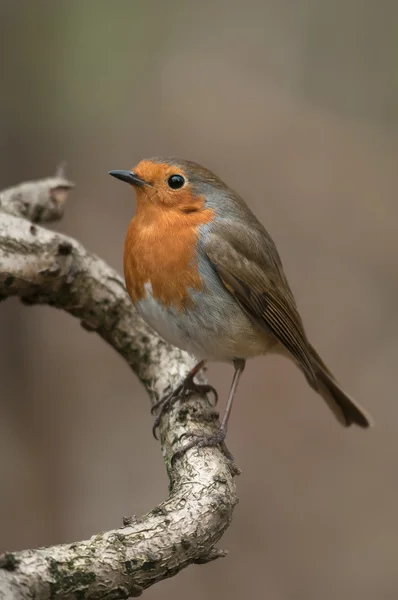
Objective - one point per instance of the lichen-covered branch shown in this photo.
(40, 266)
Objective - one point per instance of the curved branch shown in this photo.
(41, 266)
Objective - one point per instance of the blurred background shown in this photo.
(294, 104)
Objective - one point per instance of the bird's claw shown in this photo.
(200, 441)
(202, 389)
(165, 404)
(183, 390)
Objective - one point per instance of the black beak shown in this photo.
(128, 177)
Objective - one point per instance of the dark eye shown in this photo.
(176, 182)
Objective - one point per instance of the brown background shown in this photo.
(295, 104)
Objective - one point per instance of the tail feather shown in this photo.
(345, 409)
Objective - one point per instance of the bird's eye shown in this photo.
(176, 182)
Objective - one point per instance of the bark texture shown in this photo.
(43, 267)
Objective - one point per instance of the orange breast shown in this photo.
(161, 249)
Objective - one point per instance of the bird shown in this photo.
(204, 273)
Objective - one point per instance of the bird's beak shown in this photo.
(129, 177)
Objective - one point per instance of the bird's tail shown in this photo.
(345, 409)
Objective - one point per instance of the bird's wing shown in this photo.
(249, 266)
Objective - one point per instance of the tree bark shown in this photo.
(43, 267)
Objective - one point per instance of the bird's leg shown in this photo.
(219, 436)
(186, 387)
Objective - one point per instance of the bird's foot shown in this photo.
(208, 441)
(186, 388)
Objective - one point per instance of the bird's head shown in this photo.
(172, 183)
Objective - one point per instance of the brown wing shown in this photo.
(262, 290)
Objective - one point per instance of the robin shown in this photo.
(206, 276)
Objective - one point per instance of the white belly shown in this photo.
(213, 327)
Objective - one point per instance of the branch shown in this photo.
(39, 201)
(43, 267)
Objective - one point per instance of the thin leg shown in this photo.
(239, 365)
(219, 436)
(181, 391)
